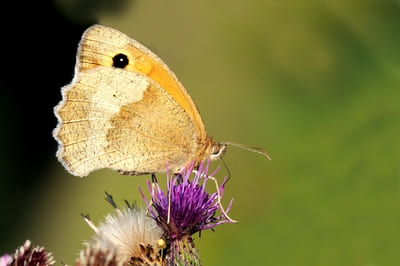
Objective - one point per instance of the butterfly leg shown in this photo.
(153, 181)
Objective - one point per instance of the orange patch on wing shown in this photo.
(148, 66)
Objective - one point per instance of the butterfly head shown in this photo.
(217, 150)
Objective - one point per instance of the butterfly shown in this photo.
(126, 110)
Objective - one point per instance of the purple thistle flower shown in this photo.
(186, 207)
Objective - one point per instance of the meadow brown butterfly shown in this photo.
(126, 110)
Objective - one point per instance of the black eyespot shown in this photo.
(120, 61)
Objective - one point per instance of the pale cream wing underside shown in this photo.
(118, 119)
(100, 44)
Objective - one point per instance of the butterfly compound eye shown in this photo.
(120, 61)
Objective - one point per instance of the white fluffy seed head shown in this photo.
(128, 233)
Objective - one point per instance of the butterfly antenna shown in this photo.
(253, 149)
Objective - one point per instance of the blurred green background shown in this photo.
(316, 83)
